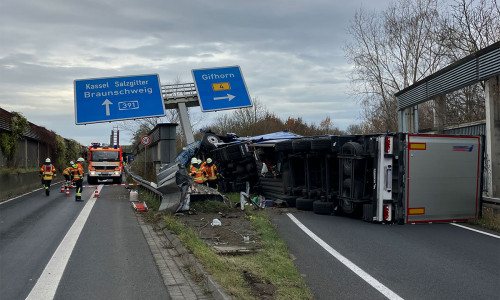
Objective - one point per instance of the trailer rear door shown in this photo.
(443, 178)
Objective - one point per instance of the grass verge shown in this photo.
(490, 220)
(271, 265)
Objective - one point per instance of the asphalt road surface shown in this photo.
(101, 255)
(344, 258)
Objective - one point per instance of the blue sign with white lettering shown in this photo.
(221, 88)
(118, 98)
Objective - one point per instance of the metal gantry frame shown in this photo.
(479, 66)
(181, 96)
(484, 65)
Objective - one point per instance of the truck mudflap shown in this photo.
(443, 178)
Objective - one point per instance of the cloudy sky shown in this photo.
(290, 53)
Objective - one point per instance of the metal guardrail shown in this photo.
(490, 200)
(176, 188)
(144, 183)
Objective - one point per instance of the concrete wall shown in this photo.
(12, 185)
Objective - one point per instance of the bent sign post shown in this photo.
(118, 98)
(221, 88)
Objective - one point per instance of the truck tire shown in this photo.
(323, 207)
(209, 141)
(352, 148)
(321, 144)
(284, 146)
(304, 203)
(348, 207)
(301, 145)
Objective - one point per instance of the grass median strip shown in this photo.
(265, 274)
(271, 266)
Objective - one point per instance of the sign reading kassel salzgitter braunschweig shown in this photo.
(118, 98)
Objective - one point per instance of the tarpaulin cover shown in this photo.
(271, 137)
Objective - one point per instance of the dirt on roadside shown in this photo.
(235, 235)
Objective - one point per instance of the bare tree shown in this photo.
(242, 121)
(471, 25)
(390, 51)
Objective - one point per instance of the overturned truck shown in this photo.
(391, 178)
(403, 178)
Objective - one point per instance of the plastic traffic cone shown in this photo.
(67, 191)
(62, 188)
(96, 193)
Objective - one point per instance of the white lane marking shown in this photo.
(357, 270)
(486, 233)
(25, 194)
(46, 286)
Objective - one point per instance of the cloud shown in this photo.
(290, 53)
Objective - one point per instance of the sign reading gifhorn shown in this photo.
(118, 98)
(221, 88)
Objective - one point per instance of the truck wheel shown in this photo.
(323, 207)
(209, 141)
(352, 148)
(284, 146)
(348, 207)
(321, 144)
(304, 203)
(301, 145)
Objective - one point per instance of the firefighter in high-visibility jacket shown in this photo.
(202, 166)
(212, 173)
(47, 172)
(67, 173)
(78, 179)
(197, 172)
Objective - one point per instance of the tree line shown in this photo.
(410, 40)
(390, 50)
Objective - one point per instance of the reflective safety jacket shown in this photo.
(198, 174)
(80, 166)
(211, 171)
(67, 171)
(47, 171)
(77, 172)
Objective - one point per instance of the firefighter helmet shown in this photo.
(71, 163)
(80, 159)
(209, 160)
(47, 160)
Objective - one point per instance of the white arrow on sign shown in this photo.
(229, 96)
(107, 103)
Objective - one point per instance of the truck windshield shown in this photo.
(105, 156)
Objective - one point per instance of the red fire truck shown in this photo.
(105, 162)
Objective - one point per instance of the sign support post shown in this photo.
(185, 124)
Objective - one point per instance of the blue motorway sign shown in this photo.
(118, 98)
(221, 88)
